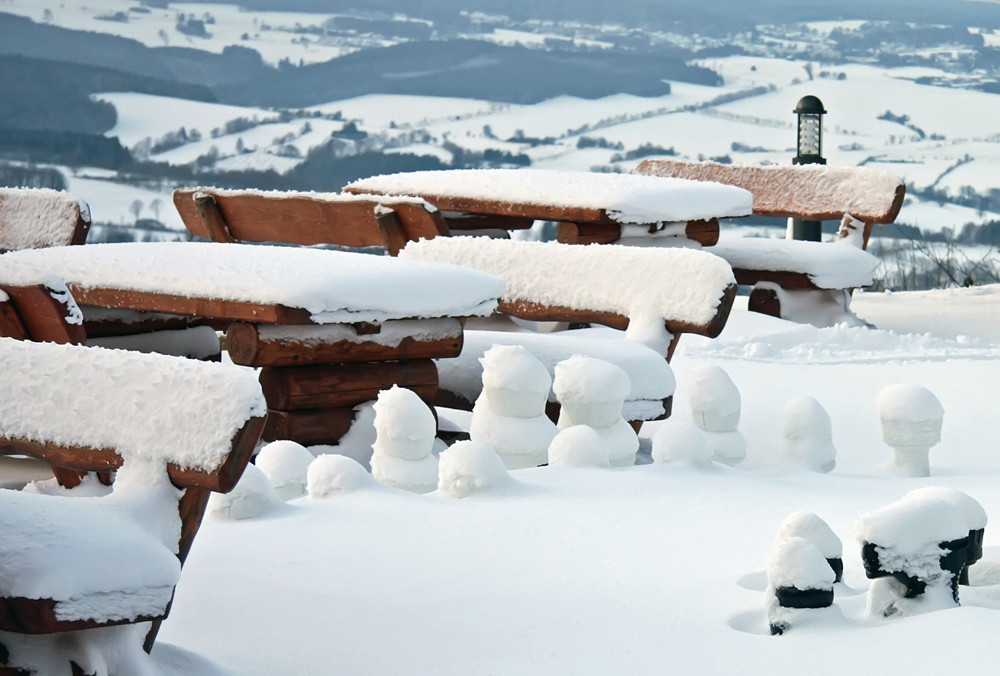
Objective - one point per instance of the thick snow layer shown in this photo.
(808, 434)
(586, 380)
(404, 425)
(335, 286)
(973, 510)
(675, 284)
(31, 218)
(714, 399)
(21, 274)
(285, 464)
(330, 475)
(649, 373)
(680, 440)
(914, 524)
(578, 446)
(145, 406)
(811, 527)
(514, 381)
(118, 567)
(469, 467)
(908, 402)
(626, 198)
(391, 332)
(828, 265)
(387, 200)
(521, 442)
(797, 562)
(252, 498)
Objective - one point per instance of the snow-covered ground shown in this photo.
(595, 571)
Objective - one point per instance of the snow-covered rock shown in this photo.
(808, 435)
(811, 527)
(679, 440)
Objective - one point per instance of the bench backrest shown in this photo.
(690, 291)
(32, 218)
(808, 192)
(306, 218)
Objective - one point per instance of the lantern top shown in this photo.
(809, 105)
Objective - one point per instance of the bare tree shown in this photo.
(136, 208)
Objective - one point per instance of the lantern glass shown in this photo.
(809, 135)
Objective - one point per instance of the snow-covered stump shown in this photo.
(285, 464)
(799, 580)
(913, 550)
(578, 446)
(975, 515)
(814, 529)
(681, 441)
(469, 467)
(509, 415)
(592, 392)
(404, 439)
(911, 425)
(715, 407)
(808, 435)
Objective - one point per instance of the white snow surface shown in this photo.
(578, 446)
(913, 524)
(334, 286)
(626, 198)
(674, 284)
(252, 498)
(797, 562)
(145, 406)
(586, 380)
(811, 527)
(330, 475)
(828, 265)
(31, 218)
(908, 402)
(973, 510)
(285, 463)
(469, 467)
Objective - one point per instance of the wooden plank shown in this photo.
(38, 616)
(223, 478)
(211, 218)
(764, 301)
(705, 232)
(392, 230)
(344, 385)
(109, 327)
(783, 278)
(212, 308)
(322, 426)
(44, 315)
(464, 222)
(588, 233)
(306, 220)
(10, 323)
(70, 457)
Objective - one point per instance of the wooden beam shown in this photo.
(323, 426)
(784, 279)
(465, 222)
(344, 385)
(392, 230)
(38, 616)
(247, 347)
(44, 315)
(212, 218)
(109, 327)
(588, 233)
(10, 323)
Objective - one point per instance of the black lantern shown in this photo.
(809, 150)
(810, 131)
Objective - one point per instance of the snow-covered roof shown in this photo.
(145, 406)
(626, 198)
(676, 284)
(829, 265)
(333, 286)
(38, 217)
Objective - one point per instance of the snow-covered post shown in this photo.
(811, 527)
(715, 406)
(404, 438)
(285, 463)
(975, 515)
(914, 548)
(509, 415)
(592, 392)
(798, 578)
(808, 434)
(469, 467)
(911, 424)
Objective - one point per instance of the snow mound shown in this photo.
(469, 467)
(252, 498)
(578, 446)
(330, 475)
(285, 464)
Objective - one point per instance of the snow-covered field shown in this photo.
(630, 570)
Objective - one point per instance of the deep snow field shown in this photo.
(650, 568)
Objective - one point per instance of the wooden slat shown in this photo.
(43, 315)
(765, 301)
(10, 322)
(704, 232)
(38, 616)
(300, 219)
(213, 308)
(211, 218)
(323, 426)
(392, 231)
(465, 222)
(223, 478)
(111, 327)
(783, 278)
(344, 385)
(246, 347)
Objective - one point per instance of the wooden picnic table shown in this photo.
(590, 207)
(329, 328)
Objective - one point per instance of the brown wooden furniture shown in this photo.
(805, 192)
(105, 446)
(31, 218)
(306, 218)
(320, 356)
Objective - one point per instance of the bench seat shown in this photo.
(809, 265)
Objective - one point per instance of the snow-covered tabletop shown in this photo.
(565, 195)
(326, 286)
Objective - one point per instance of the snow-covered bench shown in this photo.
(307, 218)
(173, 429)
(856, 196)
(653, 295)
(31, 218)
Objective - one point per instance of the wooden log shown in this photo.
(10, 322)
(256, 345)
(784, 279)
(212, 218)
(38, 616)
(101, 322)
(765, 301)
(392, 230)
(465, 222)
(344, 385)
(322, 426)
(705, 232)
(213, 308)
(588, 233)
(44, 314)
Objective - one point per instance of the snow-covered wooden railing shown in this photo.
(306, 218)
(653, 294)
(173, 429)
(31, 218)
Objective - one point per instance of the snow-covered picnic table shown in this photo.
(514, 198)
(360, 322)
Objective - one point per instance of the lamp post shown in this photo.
(809, 147)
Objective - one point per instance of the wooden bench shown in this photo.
(329, 329)
(653, 295)
(307, 218)
(173, 429)
(856, 196)
(31, 218)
